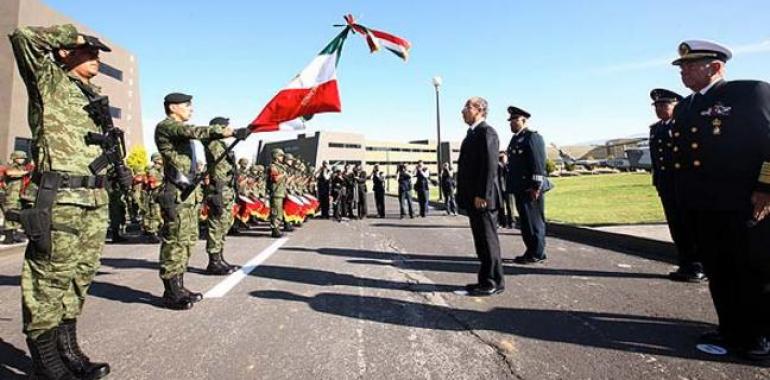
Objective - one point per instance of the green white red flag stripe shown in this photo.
(314, 90)
(377, 38)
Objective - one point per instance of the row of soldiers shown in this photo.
(15, 193)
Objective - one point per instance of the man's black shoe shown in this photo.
(681, 275)
(527, 260)
(759, 350)
(485, 291)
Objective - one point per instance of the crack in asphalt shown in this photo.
(414, 280)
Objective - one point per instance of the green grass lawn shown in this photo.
(626, 198)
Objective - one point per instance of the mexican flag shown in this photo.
(312, 91)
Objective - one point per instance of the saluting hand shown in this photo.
(761, 202)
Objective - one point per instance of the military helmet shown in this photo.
(243, 161)
(155, 156)
(259, 168)
(18, 154)
(289, 157)
(277, 152)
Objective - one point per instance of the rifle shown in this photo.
(111, 140)
(187, 190)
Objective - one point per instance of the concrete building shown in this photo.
(119, 78)
(339, 148)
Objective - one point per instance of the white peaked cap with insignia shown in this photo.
(691, 50)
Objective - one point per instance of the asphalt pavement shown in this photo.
(374, 299)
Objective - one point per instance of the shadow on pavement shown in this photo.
(631, 245)
(123, 263)
(123, 294)
(326, 278)
(397, 225)
(458, 264)
(463, 267)
(14, 363)
(630, 333)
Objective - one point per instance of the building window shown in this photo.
(344, 146)
(24, 145)
(110, 71)
(115, 112)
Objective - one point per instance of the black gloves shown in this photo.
(241, 133)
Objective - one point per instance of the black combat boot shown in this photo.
(174, 297)
(9, 236)
(152, 238)
(287, 227)
(193, 296)
(115, 236)
(217, 265)
(46, 361)
(276, 233)
(73, 357)
(233, 267)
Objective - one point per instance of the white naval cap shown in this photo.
(691, 50)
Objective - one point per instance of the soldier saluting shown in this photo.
(68, 224)
(721, 159)
(173, 138)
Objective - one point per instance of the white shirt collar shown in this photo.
(707, 88)
(476, 124)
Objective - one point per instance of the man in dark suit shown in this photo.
(527, 182)
(404, 190)
(479, 195)
(505, 216)
(378, 186)
(422, 187)
(661, 153)
(721, 159)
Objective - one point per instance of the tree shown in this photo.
(550, 166)
(137, 159)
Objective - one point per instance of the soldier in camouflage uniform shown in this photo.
(276, 186)
(117, 213)
(180, 216)
(15, 175)
(57, 64)
(243, 165)
(151, 217)
(220, 198)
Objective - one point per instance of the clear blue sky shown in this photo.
(584, 69)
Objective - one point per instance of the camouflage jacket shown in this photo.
(224, 172)
(276, 180)
(56, 116)
(173, 141)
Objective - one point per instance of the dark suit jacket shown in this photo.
(404, 182)
(477, 168)
(721, 141)
(661, 154)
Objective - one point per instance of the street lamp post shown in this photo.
(437, 83)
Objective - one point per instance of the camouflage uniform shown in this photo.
(14, 182)
(276, 186)
(57, 273)
(180, 217)
(220, 199)
(151, 218)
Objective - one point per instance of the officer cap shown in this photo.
(18, 154)
(289, 157)
(516, 111)
(176, 98)
(661, 95)
(220, 121)
(91, 42)
(278, 152)
(155, 156)
(692, 50)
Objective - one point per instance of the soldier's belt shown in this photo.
(76, 181)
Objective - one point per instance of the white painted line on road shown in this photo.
(223, 287)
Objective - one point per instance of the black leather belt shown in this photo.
(77, 181)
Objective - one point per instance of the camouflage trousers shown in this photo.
(218, 226)
(178, 238)
(276, 212)
(54, 287)
(12, 206)
(151, 217)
